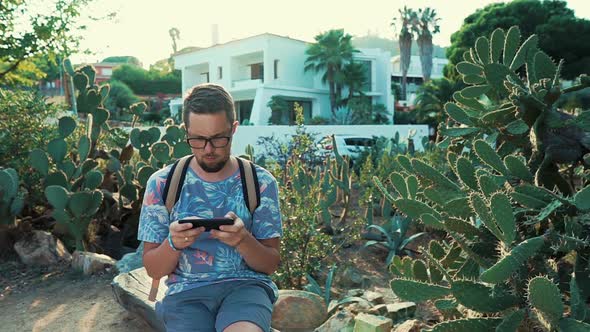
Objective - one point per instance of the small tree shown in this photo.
(278, 107)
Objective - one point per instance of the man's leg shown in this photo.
(246, 307)
(185, 312)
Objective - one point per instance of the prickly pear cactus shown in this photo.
(517, 231)
(11, 198)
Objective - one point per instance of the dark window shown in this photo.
(257, 71)
(219, 72)
(359, 141)
(243, 110)
(276, 69)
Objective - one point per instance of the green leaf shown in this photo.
(520, 58)
(93, 179)
(482, 46)
(544, 66)
(67, 125)
(469, 69)
(458, 114)
(459, 132)
(57, 197)
(481, 298)
(506, 266)
(504, 216)
(83, 147)
(489, 156)
(475, 91)
(181, 149)
(517, 127)
(511, 44)
(57, 178)
(572, 325)
(582, 199)
(466, 173)
(416, 291)
(57, 149)
(398, 182)
(545, 296)
(496, 44)
(518, 168)
(39, 161)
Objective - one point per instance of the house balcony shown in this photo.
(246, 84)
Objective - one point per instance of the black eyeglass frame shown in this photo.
(209, 141)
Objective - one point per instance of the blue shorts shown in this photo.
(214, 307)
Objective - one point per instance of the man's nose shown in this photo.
(209, 147)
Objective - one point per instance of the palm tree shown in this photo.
(407, 21)
(353, 76)
(426, 20)
(332, 50)
(431, 99)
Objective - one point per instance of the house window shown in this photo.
(257, 71)
(243, 110)
(276, 69)
(219, 72)
(368, 84)
(107, 71)
(205, 77)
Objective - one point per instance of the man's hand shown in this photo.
(183, 235)
(232, 235)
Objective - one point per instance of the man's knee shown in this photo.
(243, 326)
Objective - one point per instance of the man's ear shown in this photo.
(234, 127)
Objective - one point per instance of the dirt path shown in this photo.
(60, 301)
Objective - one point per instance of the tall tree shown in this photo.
(431, 98)
(407, 20)
(26, 31)
(331, 51)
(426, 26)
(561, 34)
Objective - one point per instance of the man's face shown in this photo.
(210, 139)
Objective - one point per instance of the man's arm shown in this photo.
(160, 259)
(260, 255)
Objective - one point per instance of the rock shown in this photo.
(131, 291)
(373, 297)
(91, 263)
(131, 261)
(342, 321)
(354, 292)
(351, 277)
(412, 325)
(370, 323)
(42, 248)
(395, 311)
(298, 310)
(360, 306)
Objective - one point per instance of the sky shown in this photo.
(141, 27)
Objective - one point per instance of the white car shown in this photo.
(348, 145)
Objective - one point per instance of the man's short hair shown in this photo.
(208, 98)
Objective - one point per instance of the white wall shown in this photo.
(249, 134)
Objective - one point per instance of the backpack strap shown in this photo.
(170, 196)
(250, 185)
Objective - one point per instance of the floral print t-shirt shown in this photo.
(209, 260)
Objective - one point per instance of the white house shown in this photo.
(414, 77)
(256, 68)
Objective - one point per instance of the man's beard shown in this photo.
(213, 168)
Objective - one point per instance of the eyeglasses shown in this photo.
(201, 142)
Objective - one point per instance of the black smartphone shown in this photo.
(208, 223)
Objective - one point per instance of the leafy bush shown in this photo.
(120, 96)
(144, 82)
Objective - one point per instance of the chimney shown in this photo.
(214, 34)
